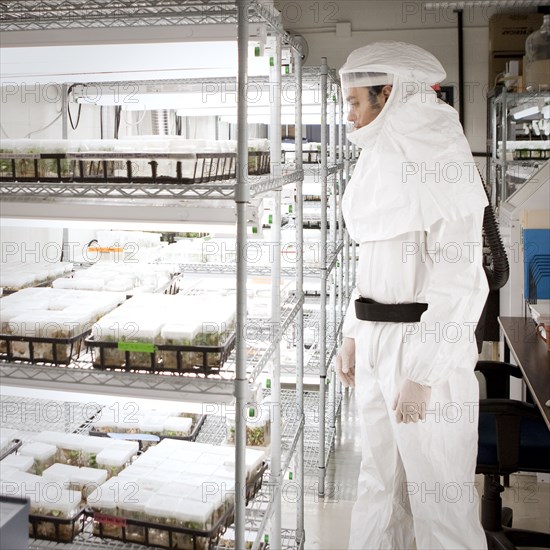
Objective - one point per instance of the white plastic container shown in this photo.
(181, 490)
(88, 479)
(19, 462)
(177, 426)
(203, 471)
(132, 506)
(90, 447)
(163, 510)
(114, 461)
(7, 473)
(152, 424)
(65, 505)
(180, 334)
(257, 427)
(49, 437)
(62, 475)
(194, 514)
(104, 501)
(253, 461)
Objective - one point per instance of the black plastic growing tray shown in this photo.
(56, 529)
(121, 167)
(311, 157)
(258, 162)
(128, 356)
(169, 536)
(51, 353)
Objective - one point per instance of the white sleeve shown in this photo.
(456, 292)
(350, 321)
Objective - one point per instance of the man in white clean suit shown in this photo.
(415, 206)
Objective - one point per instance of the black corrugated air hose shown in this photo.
(500, 271)
(498, 274)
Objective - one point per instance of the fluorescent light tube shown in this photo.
(524, 112)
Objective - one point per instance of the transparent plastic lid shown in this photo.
(7, 473)
(19, 462)
(162, 506)
(178, 424)
(49, 437)
(180, 331)
(64, 472)
(253, 459)
(195, 511)
(152, 423)
(107, 495)
(96, 444)
(180, 490)
(135, 499)
(113, 457)
(90, 475)
(66, 502)
(199, 469)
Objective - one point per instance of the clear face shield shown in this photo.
(359, 80)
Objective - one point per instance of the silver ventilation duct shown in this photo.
(160, 122)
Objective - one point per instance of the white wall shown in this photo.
(30, 244)
(436, 31)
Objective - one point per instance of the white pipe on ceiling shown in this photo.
(485, 4)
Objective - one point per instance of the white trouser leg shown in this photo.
(431, 463)
(381, 517)
(439, 456)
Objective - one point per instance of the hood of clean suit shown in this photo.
(416, 166)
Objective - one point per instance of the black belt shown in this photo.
(369, 310)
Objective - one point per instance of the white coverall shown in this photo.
(415, 206)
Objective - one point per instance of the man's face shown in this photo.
(362, 109)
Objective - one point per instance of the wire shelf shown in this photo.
(83, 14)
(80, 376)
(213, 431)
(152, 193)
(25, 413)
(86, 541)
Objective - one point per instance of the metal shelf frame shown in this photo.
(162, 193)
(82, 377)
(30, 15)
(335, 166)
(499, 133)
(259, 511)
(77, 14)
(213, 432)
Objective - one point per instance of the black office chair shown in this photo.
(512, 437)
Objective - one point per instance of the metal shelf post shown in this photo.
(334, 275)
(299, 457)
(242, 197)
(323, 259)
(275, 138)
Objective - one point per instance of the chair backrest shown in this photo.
(512, 436)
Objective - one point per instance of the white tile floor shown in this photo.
(327, 520)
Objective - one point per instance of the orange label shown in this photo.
(106, 249)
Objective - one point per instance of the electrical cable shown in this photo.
(134, 123)
(118, 111)
(34, 131)
(69, 92)
(45, 127)
(4, 131)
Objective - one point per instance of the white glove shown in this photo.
(345, 363)
(411, 401)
